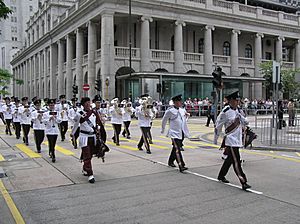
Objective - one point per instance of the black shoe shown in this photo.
(123, 135)
(140, 148)
(18, 137)
(128, 137)
(117, 144)
(245, 186)
(172, 165)
(24, 139)
(91, 179)
(224, 180)
(53, 160)
(27, 143)
(150, 142)
(181, 169)
(148, 152)
(10, 133)
(181, 149)
(39, 151)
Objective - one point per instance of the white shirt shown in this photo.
(116, 115)
(128, 111)
(8, 111)
(226, 118)
(72, 114)
(177, 121)
(25, 115)
(51, 126)
(144, 117)
(16, 114)
(38, 123)
(63, 110)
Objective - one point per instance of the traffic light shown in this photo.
(98, 84)
(217, 81)
(75, 89)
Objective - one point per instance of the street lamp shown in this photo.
(129, 30)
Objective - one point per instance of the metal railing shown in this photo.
(287, 133)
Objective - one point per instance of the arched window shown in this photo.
(226, 48)
(201, 45)
(248, 51)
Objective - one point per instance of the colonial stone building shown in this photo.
(176, 43)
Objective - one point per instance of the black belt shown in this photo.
(86, 132)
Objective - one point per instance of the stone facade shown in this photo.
(89, 40)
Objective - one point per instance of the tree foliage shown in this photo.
(290, 87)
(5, 78)
(4, 10)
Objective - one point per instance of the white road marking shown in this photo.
(290, 156)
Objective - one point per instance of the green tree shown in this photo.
(4, 10)
(290, 87)
(5, 78)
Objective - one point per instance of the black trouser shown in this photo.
(126, 129)
(39, 138)
(2, 118)
(17, 129)
(210, 117)
(26, 129)
(75, 137)
(145, 138)
(117, 131)
(176, 152)
(63, 129)
(52, 142)
(8, 122)
(233, 158)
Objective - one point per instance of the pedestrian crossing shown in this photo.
(61, 149)
(28, 151)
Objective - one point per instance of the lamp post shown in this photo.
(129, 31)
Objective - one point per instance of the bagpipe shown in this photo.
(248, 136)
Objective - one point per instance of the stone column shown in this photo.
(26, 84)
(33, 89)
(178, 47)
(53, 63)
(60, 67)
(208, 57)
(46, 73)
(145, 43)
(69, 75)
(279, 48)
(40, 75)
(92, 46)
(257, 61)
(297, 54)
(234, 58)
(107, 54)
(79, 60)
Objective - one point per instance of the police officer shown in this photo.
(63, 109)
(8, 114)
(25, 112)
(52, 119)
(233, 120)
(128, 112)
(177, 117)
(76, 107)
(116, 111)
(17, 118)
(38, 124)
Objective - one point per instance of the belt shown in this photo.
(87, 132)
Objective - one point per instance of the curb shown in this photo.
(202, 137)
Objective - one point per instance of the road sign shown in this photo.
(86, 87)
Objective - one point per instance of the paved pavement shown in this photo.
(134, 187)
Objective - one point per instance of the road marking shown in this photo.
(298, 154)
(151, 145)
(28, 151)
(271, 155)
(11, 205)
(290, 156)
(123, 146)
(1, 158)
(212, 179)
(62, 150)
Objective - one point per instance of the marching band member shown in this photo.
(52, 119)
(104, 112)
(116, 111)
(25, 112)
(233, 121)
(128, 112)
(1, 111)
(62, 109)
(17, 118)
(38, 124)
(76, 107)
(145, 114)
(89, 122)
(8, 114)
(97, 101)
(177, 117)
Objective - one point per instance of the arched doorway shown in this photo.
(120, 89)
(192, 72)
(161, 70)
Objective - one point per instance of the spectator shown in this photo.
(291, 112)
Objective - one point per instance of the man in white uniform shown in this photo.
(177, 116)
(233, 120)
(25, 112)
(17, 118)
(8, 114)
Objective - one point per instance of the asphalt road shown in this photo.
(134, 187)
